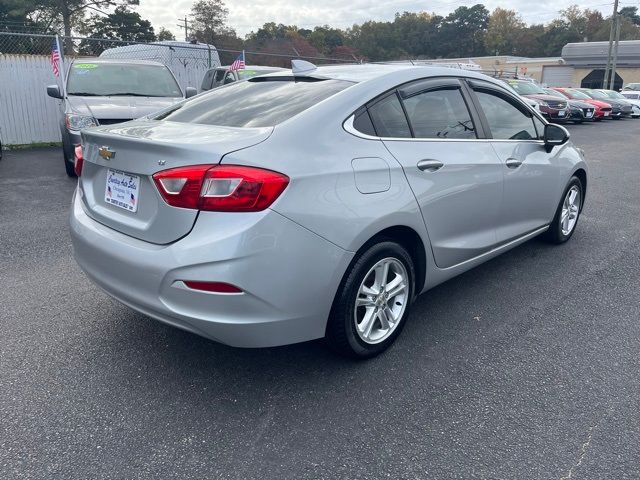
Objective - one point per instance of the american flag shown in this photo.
(55, 58)
(238, 63)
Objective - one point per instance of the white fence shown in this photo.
(28, 115)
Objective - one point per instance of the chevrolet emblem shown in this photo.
(106, 153)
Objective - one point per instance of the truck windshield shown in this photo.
(125, 79)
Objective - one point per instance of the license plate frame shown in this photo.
(122, 190)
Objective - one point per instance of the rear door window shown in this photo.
(258, 102)
(440, 113)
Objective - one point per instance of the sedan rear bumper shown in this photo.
(263, 253)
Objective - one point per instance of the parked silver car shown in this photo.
(104, 92)
(289, 208)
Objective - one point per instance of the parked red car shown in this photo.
(603, 109)
(553, 108)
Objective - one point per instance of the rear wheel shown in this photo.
(566, 218)
(372, 303)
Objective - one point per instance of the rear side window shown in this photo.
(439, 114)
(389, 119)
(506, 121)
(255, 103)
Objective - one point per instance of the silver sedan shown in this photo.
(318, 202)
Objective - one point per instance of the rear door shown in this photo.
(531, 176)
(456, 177)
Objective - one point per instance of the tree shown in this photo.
(631, 13)
(503, 29)
(463, 31)
(122, 24)
(210, 22)
(72, 12)
(164, 34)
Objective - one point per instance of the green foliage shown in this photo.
(164, 34)
(465, 32)
(122, 24)
(631, 13)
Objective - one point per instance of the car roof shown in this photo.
(117, 61)
(359, 73)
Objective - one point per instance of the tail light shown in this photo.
(78, 160)
(220, 188)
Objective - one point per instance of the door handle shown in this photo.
(430, 165)
(513, 163)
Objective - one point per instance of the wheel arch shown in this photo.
(411, 241)
(581, 173)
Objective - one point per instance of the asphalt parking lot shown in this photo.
(527, 367)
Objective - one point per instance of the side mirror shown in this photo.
(554, 136)
(54, 91)
(190, 92)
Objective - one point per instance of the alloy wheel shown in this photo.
(570, 210)
(381, 301)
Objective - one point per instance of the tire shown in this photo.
(557, 232)
(359, 331)
(69, 167)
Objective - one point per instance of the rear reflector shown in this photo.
(220, 188)
(215, 287)
(78, 160)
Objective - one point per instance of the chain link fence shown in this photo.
(200, 54)
(28, 116)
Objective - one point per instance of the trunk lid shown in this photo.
(119, 192)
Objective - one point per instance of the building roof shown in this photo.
(594, 54)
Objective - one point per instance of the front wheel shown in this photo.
(566, 218)
(372, 302)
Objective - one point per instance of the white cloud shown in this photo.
(245, 16)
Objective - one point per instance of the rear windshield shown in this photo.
(107, 79)
(259, 102)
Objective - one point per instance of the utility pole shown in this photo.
(611, 34)
(615, 53)
(184, 24)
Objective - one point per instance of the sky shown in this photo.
(248, 15)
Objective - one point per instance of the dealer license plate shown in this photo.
(122, 190)
(561, 113)
(589, 114)
(606, 114)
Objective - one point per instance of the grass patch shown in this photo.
(24, 146)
